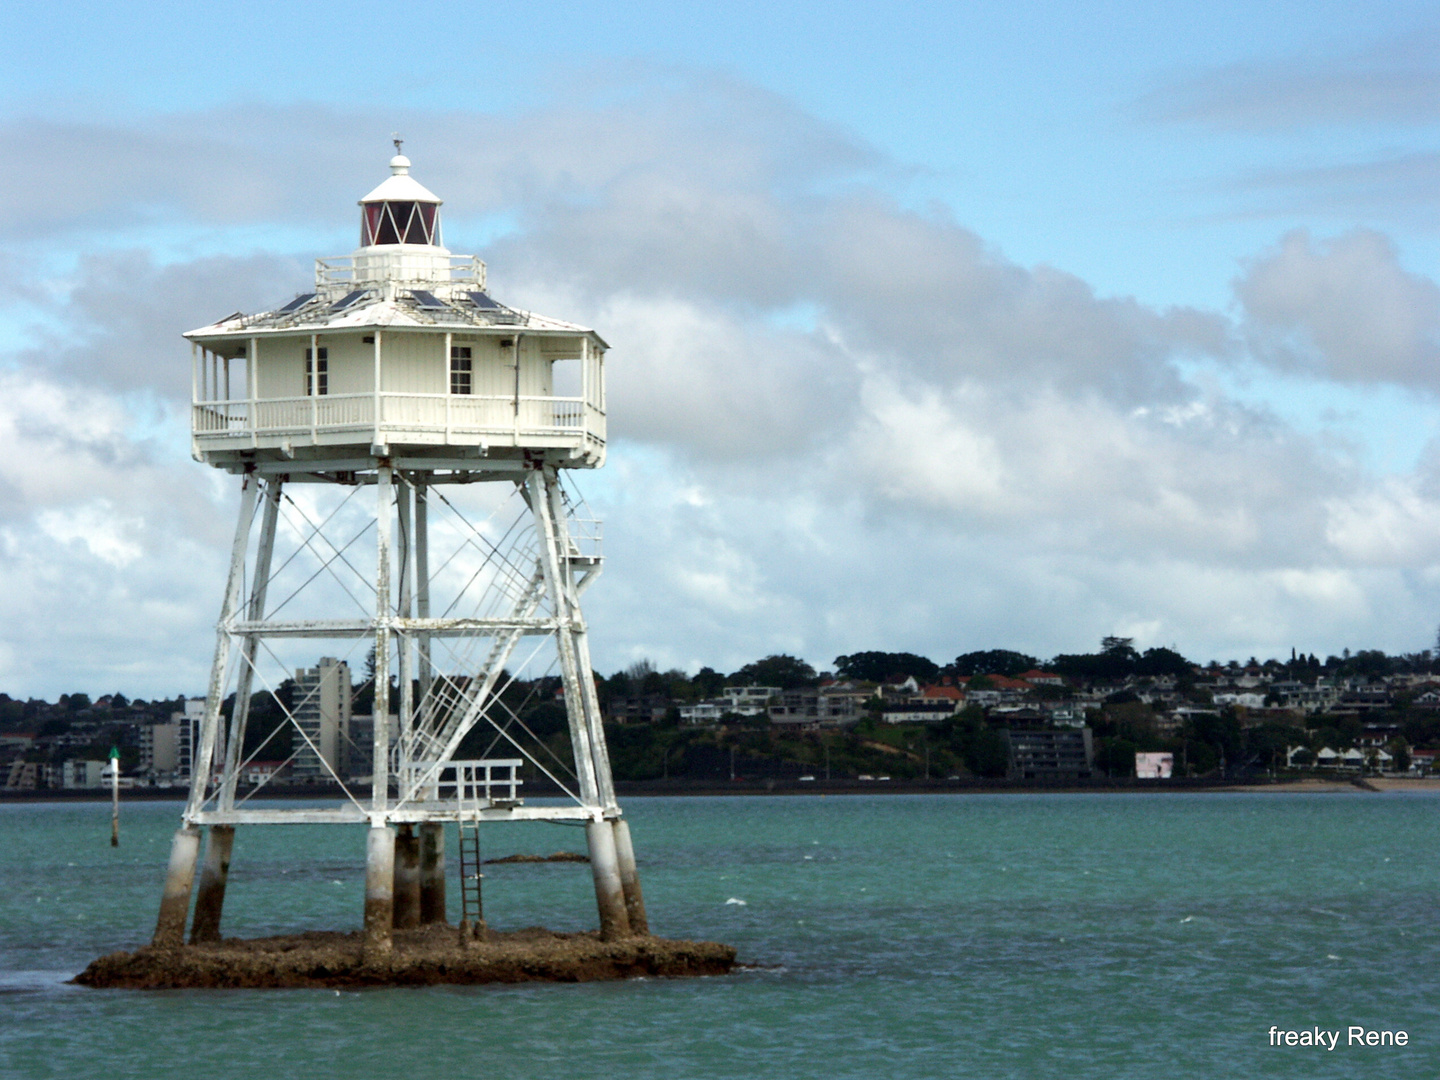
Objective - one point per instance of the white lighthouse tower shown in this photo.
(349, 413)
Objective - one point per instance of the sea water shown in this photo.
(988, 936)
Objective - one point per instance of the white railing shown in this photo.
(341, 271)
(460, 414)
(473, 784)
(586, 535)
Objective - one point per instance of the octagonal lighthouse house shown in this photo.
(396, 379)
(398, 350)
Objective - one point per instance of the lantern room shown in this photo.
(398, 349)
(400, 211)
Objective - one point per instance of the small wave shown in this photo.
(736, 900)
(28, 982)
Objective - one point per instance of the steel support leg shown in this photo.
(179, 876)
(556, 573)
(384, 511)
(404, 645)
(407, 879)
(210, 734)
(630, 879)
(422, 581)
(265, 551)
(379, 891)
(432, 873)
(210, 899)
(609, 893)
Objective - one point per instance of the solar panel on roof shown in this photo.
(299, 302)
(428, 300)
(348, 299)
(481, 300)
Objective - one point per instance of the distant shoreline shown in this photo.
(969, 786)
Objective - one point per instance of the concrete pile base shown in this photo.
(426, 956)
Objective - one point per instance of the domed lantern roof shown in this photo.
(401, 210)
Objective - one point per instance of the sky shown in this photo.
(934, 328)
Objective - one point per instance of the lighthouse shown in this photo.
(354, 417)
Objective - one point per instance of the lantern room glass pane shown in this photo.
(387, 233)
(414, 225)
(399, 223)
(370, 223)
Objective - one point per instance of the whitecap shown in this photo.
(736, 900)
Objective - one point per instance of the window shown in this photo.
(460, 369)
(399, 223)
(317, 373)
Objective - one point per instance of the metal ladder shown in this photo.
(472, 913)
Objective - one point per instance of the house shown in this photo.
(1008, 686)
(1379, 734)
(1066, 714)
(26, 775)
(16, 742)
(1365, 697)
(646, 709)
(837, 705)
(943, 693)
(1049, 753)
(1428, 699)
(1244, 700)
(900, 688)
(844, 704)
(263, 772)
(918, 712)
(1152, 766)
(704, 713)
(1036, 677)
(748, 700)
(82, 774)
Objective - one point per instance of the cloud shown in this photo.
(1389, 186)
(306, 164)
(110, 548)
(924, 293)
(1393, 524)
(1394, 82)
(836, 422)
(1343, 309)
(120, 319)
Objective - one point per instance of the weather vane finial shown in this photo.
(397, 140)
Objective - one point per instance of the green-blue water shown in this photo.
(932, 936)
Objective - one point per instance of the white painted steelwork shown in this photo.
(396, 380)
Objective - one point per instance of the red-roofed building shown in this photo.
(1004, 682)
(942, 693)
(1036, 677)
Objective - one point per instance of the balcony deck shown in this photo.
(224, 430)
